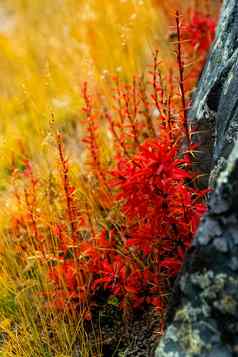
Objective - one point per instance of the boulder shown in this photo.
(203, 315)
(214, 113)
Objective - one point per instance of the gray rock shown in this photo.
(216, 96)
(221, 244)
(233, 265)
(203, 314)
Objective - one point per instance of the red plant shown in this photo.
(136, 243)
(69, 190)
(181, 78)
(197, 34)
(158, 205)
(135, 261)
(200, 31)
(91, 139)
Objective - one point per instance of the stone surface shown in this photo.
(214, 111)
(135, 336)
(203, 315)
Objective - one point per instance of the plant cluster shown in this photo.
(119, 232)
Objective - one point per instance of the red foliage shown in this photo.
(134, 262)
(200, 31)
(157, 204)
(132, 254)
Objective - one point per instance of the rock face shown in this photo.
(203, 315)
(203, 320)
(214, 113)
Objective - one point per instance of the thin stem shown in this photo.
(181, 78)
(66, 184)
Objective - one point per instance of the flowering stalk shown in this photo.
(181, 78)
(158, 90)
(91, 139)
(117, 138)
(68, 189)
(131, 116)
(146, 109)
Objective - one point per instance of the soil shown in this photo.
(137, 336)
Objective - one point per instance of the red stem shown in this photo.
(66, 184)
(181, 78)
